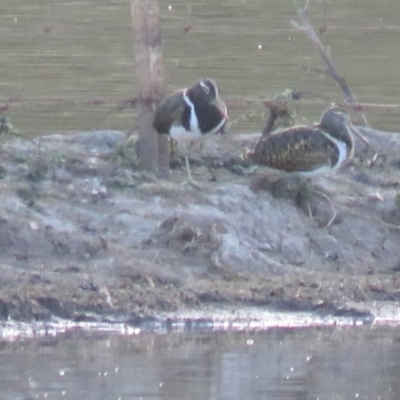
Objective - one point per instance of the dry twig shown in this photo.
(304, 25)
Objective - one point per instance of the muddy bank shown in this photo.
(84, 233)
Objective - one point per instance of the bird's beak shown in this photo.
(221, 107)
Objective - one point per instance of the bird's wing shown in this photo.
(169, 112)
(297, 149)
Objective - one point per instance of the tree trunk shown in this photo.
(152, 150)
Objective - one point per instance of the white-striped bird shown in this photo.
(189, 114)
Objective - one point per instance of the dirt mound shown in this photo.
(84, 233)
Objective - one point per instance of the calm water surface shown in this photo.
(59, 57)
(340, 363)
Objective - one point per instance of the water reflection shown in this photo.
(340, 363)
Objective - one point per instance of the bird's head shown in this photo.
(206, 91)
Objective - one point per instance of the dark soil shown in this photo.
(84, 234)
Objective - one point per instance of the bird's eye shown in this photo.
(205, 87)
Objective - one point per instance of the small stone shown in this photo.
(33, 225)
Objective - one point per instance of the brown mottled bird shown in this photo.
(189, 114)
(310, 150)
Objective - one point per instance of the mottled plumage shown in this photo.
(318, 149)
(191, 113)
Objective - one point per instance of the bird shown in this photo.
(189, 114)
(320, 149)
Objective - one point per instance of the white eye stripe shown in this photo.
(205, 87)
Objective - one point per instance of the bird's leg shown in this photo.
(190, 179)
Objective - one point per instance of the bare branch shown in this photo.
(304, 25)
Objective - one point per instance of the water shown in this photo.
(338, 363)
(59, 58)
